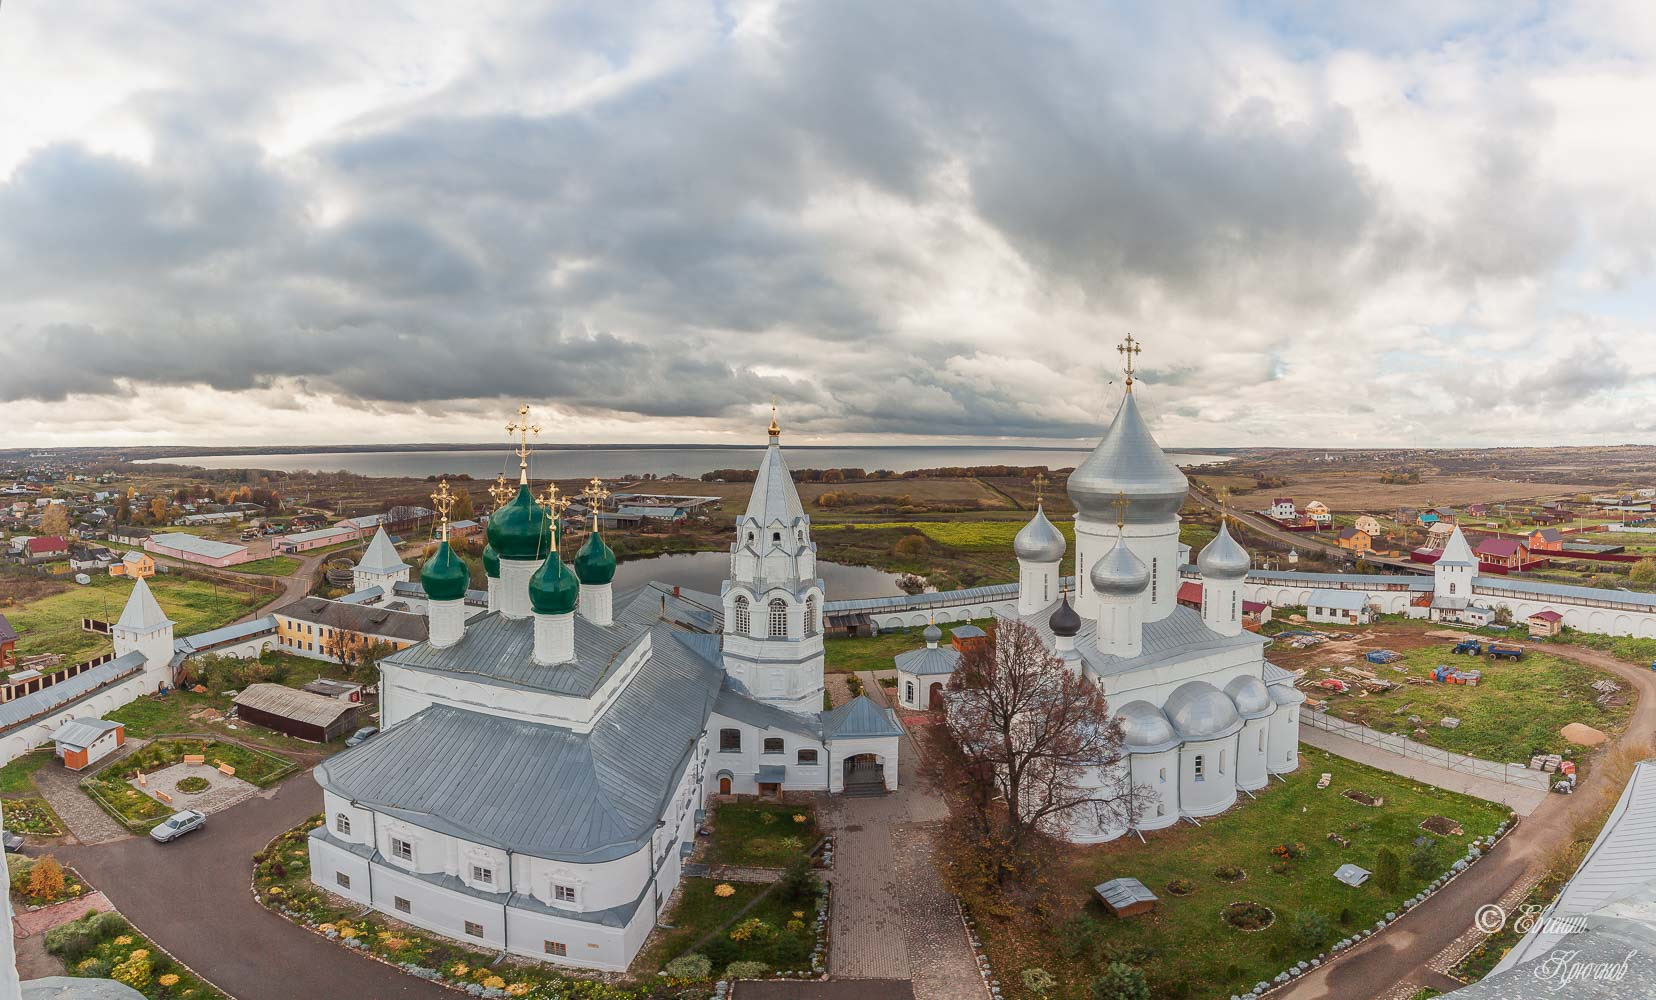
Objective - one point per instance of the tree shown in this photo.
(46, 878)
(361, 654)
(1120, 982)
(55, 520)
(462, 510)
(1041, 737)
(158, 509)
(1387, 869)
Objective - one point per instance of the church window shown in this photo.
(402, 849)
(744, 620)
(556, 948)
(730, 741)
(402, 905)
(342, 824)
(750, 538)
(1233, 606)
(342, 879)
(1221, 762)
(910, 696)
(773, 744)
(1200, 775)
(776, 536)
(811, 615)
(1451, 588)
(563, 893)
(778, 618)
(474, 929)
(808, 756)
(1161, 810)
(1155, 577)
(482, 874)
(802, 534)
(1164, 775)
(1262, 740)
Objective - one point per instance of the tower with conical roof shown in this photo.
(1454, 570)
(380, 566)
(1223, 564)
(1128, 477)
(445, 580)
(518, 531)
(144, 628)
(773, 599)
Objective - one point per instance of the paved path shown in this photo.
(26, 923)
(850, 989)
(1521, 800)
(192, 898)
(1411, 952)
(87, 821)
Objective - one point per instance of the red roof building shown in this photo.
(49, 547)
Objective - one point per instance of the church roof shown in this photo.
(538, 789)
(1039, 541)
(774, 496)
(860, 718)
(733, 704)
(1181, 634)
(929, 660)
(381, 556)
(141, 612)
(1456, 551)
(1128, 461)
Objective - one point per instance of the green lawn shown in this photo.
(271, 566)
(783, 939)
(875, 653)
(1184, 940)
(761, 835)
(17, 778)
(53, 624)
(1515, 712)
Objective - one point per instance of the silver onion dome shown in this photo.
(1223, 558)
(1119, 573)
(1200, 711)
(1144, 727)
(1039, 541)
(932, 633)
(1249, 694)
(1128, 461)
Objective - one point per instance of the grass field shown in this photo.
(1515, 712)
(1183, 947)
(52, 624)
(875, 653)
(271, 566)
(17, 778)
(761, 835)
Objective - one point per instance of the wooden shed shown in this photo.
(83, 742)
(308, 716)
(1126, 897)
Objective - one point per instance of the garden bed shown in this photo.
(105, 946)
(37, 882)
(32, 816)
(760, 834)
(139, 811)
(777, 935)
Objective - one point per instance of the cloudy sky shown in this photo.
(1330, 224)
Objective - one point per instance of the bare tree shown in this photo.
(1039, 736)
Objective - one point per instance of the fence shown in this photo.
(1511, 774)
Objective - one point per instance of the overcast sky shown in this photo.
(1329, 224)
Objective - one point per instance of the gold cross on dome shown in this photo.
(1128, 349)
(500, 491)
(595, 495)
(1040, 483)
(775, 428)
(1121, 503)
(523, 428)
(554, 504)
(444, 501)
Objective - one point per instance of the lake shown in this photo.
(629, 463)
(707, 571)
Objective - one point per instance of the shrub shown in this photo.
(76, 939)
(46, 878)
(1181, 887)
(1388, 870)
(135, 971)
(1078, 937)
(1248, 916)
(194, 784)
(746, 970)
(1120, 982)
(1345, 915)
(752, 929)
(1311, 928)
(1228, 873)
(1423, 862)
(689, 966)
(1038, 981)
(910, 545)
(799, 881)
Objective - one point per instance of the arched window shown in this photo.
(776, 536)
(910, 689)
(779, 617)
(750, 538)
(802, 534)
(773, 744)
(811, 615)
(342, 824)
(744, 620)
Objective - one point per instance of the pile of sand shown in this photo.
(1582, 736)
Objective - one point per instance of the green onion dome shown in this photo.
(444, 576)
(553, 590)
(491, 562)
(518, 530)
(595, 563)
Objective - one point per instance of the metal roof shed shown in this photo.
(297, 713)
(1126, 897)
(1352, 875)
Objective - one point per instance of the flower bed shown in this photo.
(42, 881)
(780, 935)
(32, 816)
(194, 785)
(105, 946)
(281, 882)
(139, 811)
(1248, 916)
(1229, 873)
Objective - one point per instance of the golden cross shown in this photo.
(444, 501)
(1121, 504)
(523, 428)
(1040, 482)
(555, 505)
(775, 428)
(1128, 349)
(595, 495)
(500, 491)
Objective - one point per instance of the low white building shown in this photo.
(923, 674)
(1337, 607)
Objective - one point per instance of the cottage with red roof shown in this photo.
(1545, 624)
(39, 550)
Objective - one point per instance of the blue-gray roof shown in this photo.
(928, 660)
(221, 636)
(500, 650)
(860, 718)
(1341, 600)
(27, 709)
(537, 789)
(733, 704)
(1336, 581)
(82, 733)
(1180, 635)
(1631, 600)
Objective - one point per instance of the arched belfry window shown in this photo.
(744, 619)
(811, 615)
(779, 618)
(776, 536)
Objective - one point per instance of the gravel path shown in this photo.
(87, 821)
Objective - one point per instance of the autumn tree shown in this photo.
(46, 879)
(462, 510)
(1038, 737)
(55, 520)
(158, 509)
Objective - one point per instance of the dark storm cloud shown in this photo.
(651, 251)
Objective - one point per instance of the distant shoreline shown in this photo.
(156, 453)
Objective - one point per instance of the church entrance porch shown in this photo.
(934, 701)
(864, 774)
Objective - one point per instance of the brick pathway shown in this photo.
(856, 989)
(87, 821)
(27, 923)
(732, 873)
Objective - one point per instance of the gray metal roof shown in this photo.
(220, 636)
(82, 733)
(381, 556)
(1248, 694)
(1144, 729)
(928, 661)
(769, 773)
(774, 496)
(1200, 711)
(1128, 460)
(75, 988)
(733, 704)
(860, 718)
(1180, 635)
(1124, 892)
(20, 711)
(6, 630)
(1456, 551)
(370, 621)
(1355, 581)
(1276, 675)
(292, 703)
(1119, 573)
(1351, 874)
(1039, 541)
(499, 649)
(1517, 586)
(141, 613)
(1223, 558)
(196, 545)
(537, 789)
(1341, 600)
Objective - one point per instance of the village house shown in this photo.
(1502, 553)
(1318, 511)
(1355, 540)
(47, 549)
(1337, 607)
(135, 565)
(337, 631)
(1282, 508)
(1544, 538)
(1370, 524)
(1545, 624)
(8, 645)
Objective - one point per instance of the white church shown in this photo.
(545, 761)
